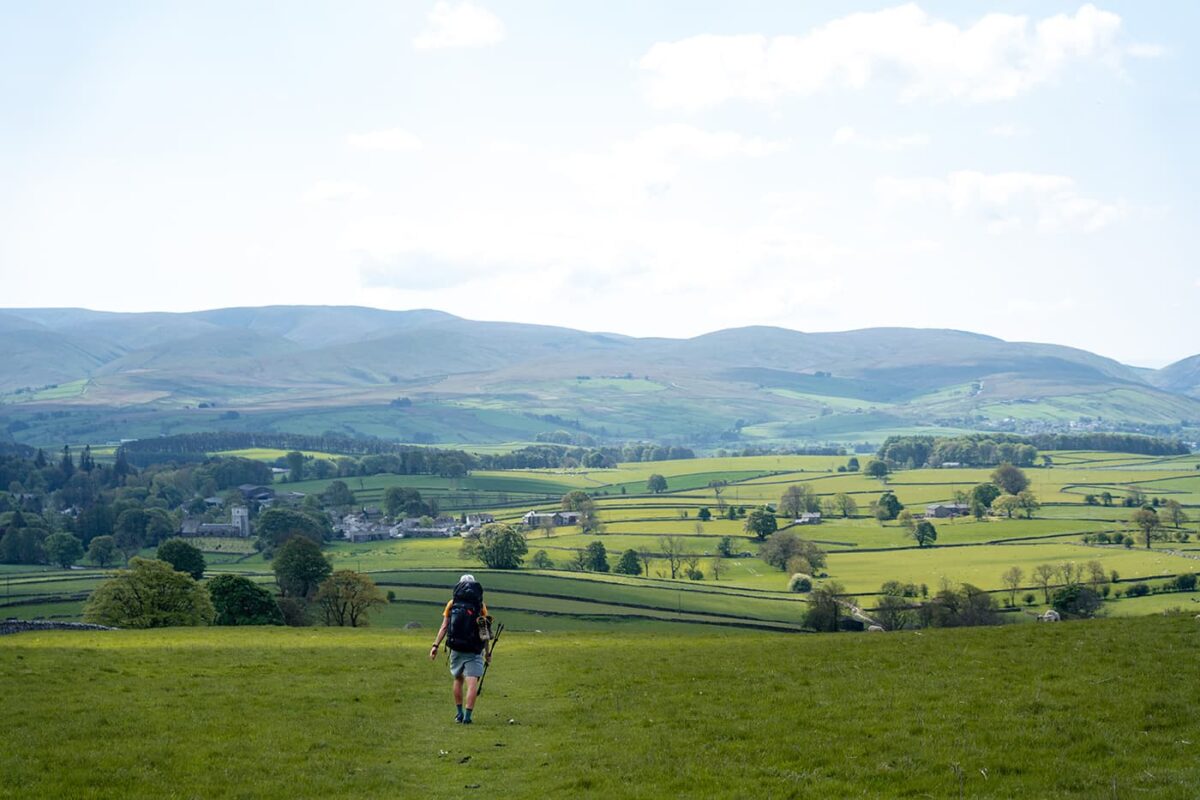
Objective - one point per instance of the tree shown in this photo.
(845, 504)
(159, 526)
(906, 520)
(237, 600)
(1028, 502)
(656, 484)
(277, 525)
(825, 607)
(704, 515)
(1076, 601)
(892, 613)
(541, 560)
(1146, 519)
(1009, 478)
(182, 556)
(796, 500)
(346, 597)
(985, 493)
(629, 564)
(578, 500)
(1106, 498)
(852, 464)
(1007, 505)
(1096, 574)
(725, 547)
(887, 507)
(338, 495)
(300, 567)
(497, 546)
(130, 531)
(102, 551)
(1176, 514)
(761, 523)
(673, 550)
(150, 594)
(1043, 575)
(877, 469)
(925, 533)
(594, 557)
(63, 549)
(781, 549)
(295, 463)
(23, 546)
(403, 501)
(1012, 578)
(716, 569)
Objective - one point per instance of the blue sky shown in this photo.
(1020, 169)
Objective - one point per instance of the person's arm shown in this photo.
(441, 634)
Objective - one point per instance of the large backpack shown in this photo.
(465, 610)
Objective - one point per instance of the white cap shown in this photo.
(467, 579)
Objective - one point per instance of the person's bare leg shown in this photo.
(458, 698)
(472, 691)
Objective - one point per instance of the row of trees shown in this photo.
(168, 591)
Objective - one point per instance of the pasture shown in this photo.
(1076, 710)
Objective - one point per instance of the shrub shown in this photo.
(239, 601)
(1076, 601)
(1137, 590)
(150, 594)
(1185, 582)
(800, 583)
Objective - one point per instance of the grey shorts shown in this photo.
(468, 665)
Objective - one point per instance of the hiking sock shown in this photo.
(467, 717)
(459, 716)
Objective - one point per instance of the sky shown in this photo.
(1021, 169)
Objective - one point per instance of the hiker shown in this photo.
(468, 656)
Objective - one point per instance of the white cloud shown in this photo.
(998, 57)
(330, 191)
(645, 165)
(1007, 130)
(459, 25)
(1007, 201)
(847, 135)
(394, 140)
(1145, 50)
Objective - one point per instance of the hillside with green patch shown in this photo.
(75, 375)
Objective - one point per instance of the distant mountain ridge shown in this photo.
(766, 382)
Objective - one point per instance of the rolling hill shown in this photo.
(76, 374)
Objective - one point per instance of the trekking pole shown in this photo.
(488, 661)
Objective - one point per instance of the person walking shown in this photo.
(468, 656)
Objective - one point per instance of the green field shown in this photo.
(1077, 710)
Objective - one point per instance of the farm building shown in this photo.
(946, 510)
(238, 527)
(475, 520)
(555, 519)
(809, 518)
(259, 494)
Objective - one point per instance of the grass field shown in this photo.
(1077, 710)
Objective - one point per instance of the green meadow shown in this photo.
(862, 553)
(1077, 710)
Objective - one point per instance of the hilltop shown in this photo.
(315, 368)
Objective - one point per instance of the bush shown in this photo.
(1076, 601)
(800, 583)
(183, 557)
(1185, 582)
(1137, 590)
(150, 594)
(239, 601)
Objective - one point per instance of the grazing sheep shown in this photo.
(1050, 616)
(875, 628)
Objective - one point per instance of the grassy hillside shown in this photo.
(313, 369)
(1089, 710)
